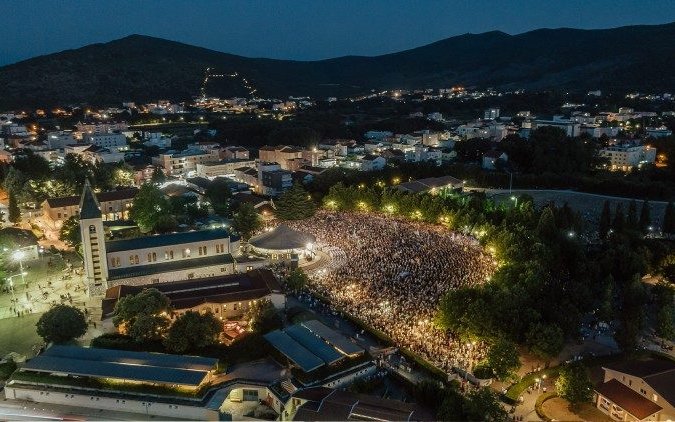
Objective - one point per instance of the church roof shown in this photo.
(89, 207)
(170, 239)
(282, 238)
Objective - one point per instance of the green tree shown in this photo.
(149, 327)
(122, 175)
(632, 316)
(669, 220)
(619, 223)
(502, 357)
(70, 232)
(483, 405)
(192, 331)
(645, 217)
(13, 208)
(295, 204)
(547, 228)
(605, 221)
(632, 219)
(263, 317)
(246, 221)
(14, 180)
(545, 340)
(157, 176)
(665, 328)
(297, 280)
(574, 385)
(149, 208)
(149, 309)
(61, 323)
(219, 195)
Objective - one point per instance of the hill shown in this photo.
(142, 68)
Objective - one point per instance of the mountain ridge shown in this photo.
(144, 68)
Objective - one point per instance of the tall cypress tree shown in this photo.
(619, 223)
(605, 221)
(645, 217)
(295, 204)
(14, 211)
(632, 219)
(669, 220)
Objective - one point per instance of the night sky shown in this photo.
(303, 30)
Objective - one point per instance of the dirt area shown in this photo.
(559, 409)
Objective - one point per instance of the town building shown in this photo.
(490, 158)
(115, 205)
(641, 390)
(235, 153)
(288, 157)
(175, 163)
(64, 376)
(59, 139)
(151, 259)
(658, 132)
(225, 167)
(491, 113)
(227, 297)
(100, 127)
(326, 404)
(112, 141)
(571, 128)
(628, 157)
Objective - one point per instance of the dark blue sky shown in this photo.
(302, 29)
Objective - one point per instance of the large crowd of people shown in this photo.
(391, 273)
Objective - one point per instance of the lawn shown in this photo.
(18, 335)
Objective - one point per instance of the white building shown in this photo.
(627, 157)
(491, 157)
(59, 139)
(180, 163)
(222, 168)
(571, 129)
(658, 132)
(151, 259)
(491, 113)
(113, 141)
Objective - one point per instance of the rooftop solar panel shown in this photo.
(306, 360)
(340, 342)
(314, 344)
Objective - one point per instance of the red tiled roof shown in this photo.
(627, 399)
(115, 195)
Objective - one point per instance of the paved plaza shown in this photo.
(51, 279)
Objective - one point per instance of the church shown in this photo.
(155, 258)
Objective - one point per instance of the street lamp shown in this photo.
(18, 256)
(515, 198)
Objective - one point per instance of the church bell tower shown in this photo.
(93, 243)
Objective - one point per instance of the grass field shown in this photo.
(18, 335)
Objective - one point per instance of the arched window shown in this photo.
(92, 229)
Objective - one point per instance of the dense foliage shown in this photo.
(193, 330)
(263, 317)
(143, 316)
(574, 384)
(61, 323)
(295, 204)
(151, 210)
(246, 221)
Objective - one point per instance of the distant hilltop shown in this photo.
(142, 68)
